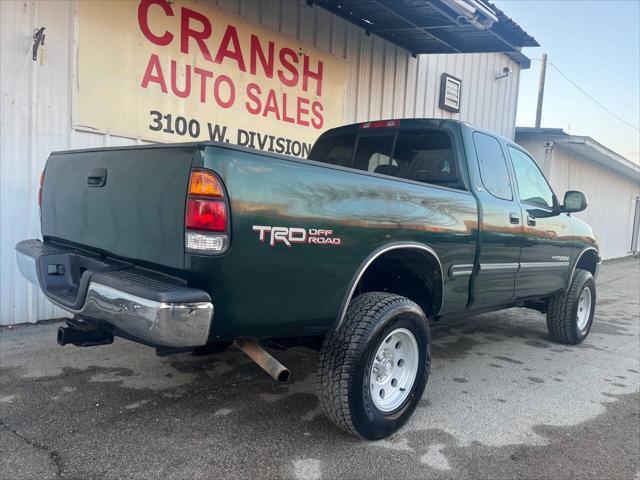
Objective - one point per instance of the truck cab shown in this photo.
(525, 239)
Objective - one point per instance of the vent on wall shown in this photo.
(450, 87)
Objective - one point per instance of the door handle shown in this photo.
(531, 221)
(514, 218)
(97, 177)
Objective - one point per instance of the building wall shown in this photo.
(611, 195)
(384, 81)
(611, 198)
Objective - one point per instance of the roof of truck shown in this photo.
(392, 123)
(409, 123)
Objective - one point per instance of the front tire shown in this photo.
(570, 314)
(374, 368)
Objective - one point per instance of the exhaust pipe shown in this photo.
(259, 355)
(83, 338)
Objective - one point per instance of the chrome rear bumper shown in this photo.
(170, 324)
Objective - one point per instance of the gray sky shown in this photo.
(597, 45)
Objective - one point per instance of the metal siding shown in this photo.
(610, 198)
(271, 13)
(421, 86)
(603, 187)
(410, 87)
(352, 51)
(383, 80)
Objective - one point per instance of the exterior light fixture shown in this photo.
(504, 72)
(474, 12)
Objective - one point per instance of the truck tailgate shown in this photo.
(128, 202)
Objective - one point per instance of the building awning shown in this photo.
(437, 26)
(585, 147)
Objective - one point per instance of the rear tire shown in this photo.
(570, 314)
(374, 368)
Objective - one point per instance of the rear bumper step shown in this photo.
(151, 307)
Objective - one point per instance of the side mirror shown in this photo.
(574, 201)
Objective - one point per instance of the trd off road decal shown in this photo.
(292, 235)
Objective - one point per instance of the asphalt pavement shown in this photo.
(502, 402)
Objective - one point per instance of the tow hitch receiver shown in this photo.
(83, 338)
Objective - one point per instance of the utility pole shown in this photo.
(543, 73)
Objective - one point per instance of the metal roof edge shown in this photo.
(500, 34)
(520, 58)
(587, 147)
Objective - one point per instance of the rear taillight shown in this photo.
(207, 215)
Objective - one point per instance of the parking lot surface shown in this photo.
(502, 402)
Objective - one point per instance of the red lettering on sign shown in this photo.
(285, 117)
(293, 80)
(266, 59)
(307, 74)
(143, 21)
(257, 52)
(204, 76)
(253, 92)
(153, 73)
(271, 105)
(186, 91)
(318, 120)
(231, 36)
(303, 111)
(199, 36)
(232, 91)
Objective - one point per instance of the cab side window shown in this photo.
(425, 157)
(373, 152)
(532, 186)
(493, 166)
(334, 150)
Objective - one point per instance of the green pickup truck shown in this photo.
(386, 227)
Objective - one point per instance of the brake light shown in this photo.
(381, 124)
(206, 216)
(209, 215)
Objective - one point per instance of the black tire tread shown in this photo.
(341, 353)
(560, 310)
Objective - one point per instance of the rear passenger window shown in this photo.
(373, 153)
(421, 155)
(336, 150)
(493, 166)
(424, 157)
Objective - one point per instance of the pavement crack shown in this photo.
(52, 454)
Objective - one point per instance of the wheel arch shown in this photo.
(374, 264)
(588, 259)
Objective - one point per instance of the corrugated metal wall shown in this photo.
(611, 198)
(383, 81)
